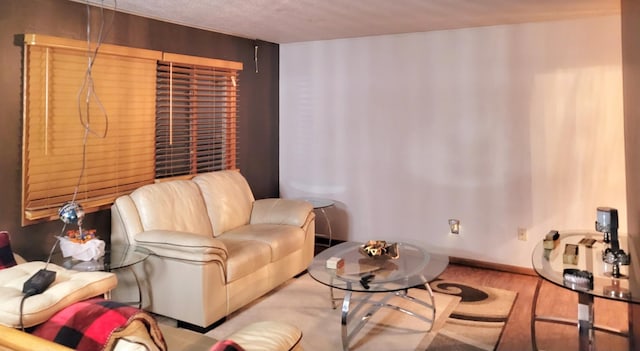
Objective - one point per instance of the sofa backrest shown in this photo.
(228, 198)
(175, 205)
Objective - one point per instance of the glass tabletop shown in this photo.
(319, 203)
(550, 265)
(116, 256)
(414, 267)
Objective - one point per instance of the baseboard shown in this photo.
(322, 243)
(493, 266)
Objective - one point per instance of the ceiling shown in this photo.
(289, 21)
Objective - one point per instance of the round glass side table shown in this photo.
(551, 265)
(322, 204)
(116, 256)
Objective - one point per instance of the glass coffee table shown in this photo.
(415, 267)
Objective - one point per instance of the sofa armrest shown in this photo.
(183, 246)
(281, 211)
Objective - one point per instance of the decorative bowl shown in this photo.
(379, 249)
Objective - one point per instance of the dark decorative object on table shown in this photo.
(380, 249)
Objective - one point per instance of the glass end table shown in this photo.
(322, 204)
(550, 265)
(116, 257)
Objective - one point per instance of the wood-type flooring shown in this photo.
(553, 301)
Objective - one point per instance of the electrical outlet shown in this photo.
(522, 234)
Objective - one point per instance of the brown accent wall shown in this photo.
(258, 100)
(631, 88)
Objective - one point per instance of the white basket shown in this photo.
(90, 250)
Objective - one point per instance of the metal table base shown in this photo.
(360, 315)
(585, 324)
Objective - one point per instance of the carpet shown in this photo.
(478, 320)
(305, 303)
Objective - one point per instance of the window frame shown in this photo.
(89, 205)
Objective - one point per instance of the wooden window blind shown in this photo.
(115, 163)
(196, 115)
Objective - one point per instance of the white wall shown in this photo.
(502, 127)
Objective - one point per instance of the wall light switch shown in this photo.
(522, 234)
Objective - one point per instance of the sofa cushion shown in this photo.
(69, 287)
(228, 198)
(256, 336)
(282, 240)
(268, 335)
(6, 254)
(175, 205)
(245, 256)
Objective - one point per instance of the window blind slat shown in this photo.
(54, 135)
(196, 110)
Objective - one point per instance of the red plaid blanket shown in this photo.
(90, 325)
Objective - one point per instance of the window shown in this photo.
(196, 123)
(196, 117)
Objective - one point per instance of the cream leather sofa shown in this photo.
(215, 247)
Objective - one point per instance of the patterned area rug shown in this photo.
(305, 303)
(478, 320)
(467, 318)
